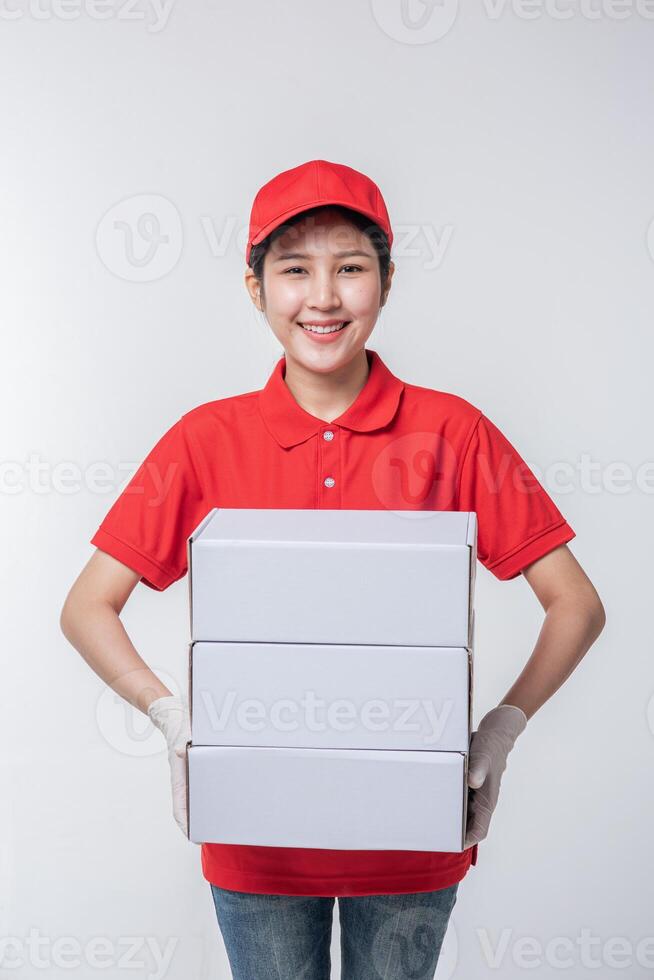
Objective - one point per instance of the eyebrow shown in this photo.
(285, 256)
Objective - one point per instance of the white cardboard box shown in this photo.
(333, 576)
(329, 798)
(330, 696)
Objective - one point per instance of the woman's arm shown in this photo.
(574, 618)
(90, 621)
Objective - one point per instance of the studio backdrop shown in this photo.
(514, 144)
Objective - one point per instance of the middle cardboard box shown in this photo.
(303, 695)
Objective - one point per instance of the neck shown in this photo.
(326, 395)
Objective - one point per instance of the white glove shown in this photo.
(489, 748)
(170, 715)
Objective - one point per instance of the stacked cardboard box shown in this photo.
(330, 676)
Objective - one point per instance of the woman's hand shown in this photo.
(489, 748)
(170, 715)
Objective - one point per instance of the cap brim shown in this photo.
(280, 219)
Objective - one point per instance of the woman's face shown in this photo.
(322, 271)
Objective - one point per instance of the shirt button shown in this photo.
(328, 435)
(330, 481)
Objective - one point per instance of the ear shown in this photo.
(387, 288)
(253, 287)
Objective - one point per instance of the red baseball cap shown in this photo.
(311, 184)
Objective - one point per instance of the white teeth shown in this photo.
(324, 329)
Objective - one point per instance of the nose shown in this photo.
(323, 292)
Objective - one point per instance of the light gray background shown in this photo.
(521, 141)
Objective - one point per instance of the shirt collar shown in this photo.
(373, 408)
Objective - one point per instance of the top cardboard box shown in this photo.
(333, 576)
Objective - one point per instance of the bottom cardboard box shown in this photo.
(347, 799)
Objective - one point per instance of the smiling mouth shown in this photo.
(314, 328)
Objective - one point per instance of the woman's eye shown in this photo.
(299, 268)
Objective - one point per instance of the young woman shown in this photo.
(332, 427)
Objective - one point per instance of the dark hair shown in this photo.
(377, 236)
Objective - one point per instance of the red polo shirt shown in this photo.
(398, 446)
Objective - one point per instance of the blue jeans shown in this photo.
(288, 937)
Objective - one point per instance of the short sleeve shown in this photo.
(517, 521)
(148, 526)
